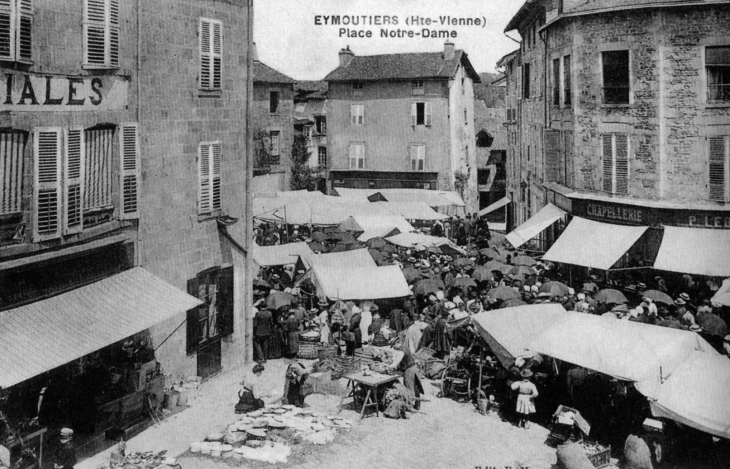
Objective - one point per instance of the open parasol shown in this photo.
(317, 246)
(463, 262)
(482, 274)
(610, 296)
(434, 250)
(511, 303)
(713, 324)
(375, 243)
(503, 293)
(278, 299)
(672, 323)
(658, 297)
(260, 283)
(498, 266)
(426, 286)
(319, 237)
(523, 260)
(463, 282)
(522, 270)
(492, 254)
(411, 274)
(554, 288)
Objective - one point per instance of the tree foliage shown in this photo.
(301, 174)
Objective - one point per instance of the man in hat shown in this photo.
(291, 328)
(65, 454)
(441, 337)
(263, 326)
(683, 314)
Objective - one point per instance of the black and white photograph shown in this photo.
(364, 234)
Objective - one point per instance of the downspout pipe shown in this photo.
(248, 212)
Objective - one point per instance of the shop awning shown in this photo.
(413, 210)
(355, 259)
(496, 205)
(281, 254)
(49, 333)
(698, 251)
(365, 223)
(510, 331)
(373, 283)
(409, 240)
(547, 215)
(593, 244)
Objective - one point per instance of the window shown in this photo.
(418, 156)
(321, 122)
(210, 54)
(357, 88)
(213, 318)
(420, 113)
(322, 157)
(526, 81)
(568, 152)
(274, 136)
(130, 173)
(417, 87)
(273, 102)
(556, 82)
(616, 77)
(717, 61)
(615, 149)
(12, 149)
(98, 168)
(357, 114)
(357, 156)
(533, 34)
(720, 169)
(16, 20)
(567, 87)
(101, 33)
(209, 177)
(553, 170)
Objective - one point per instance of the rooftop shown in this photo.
(262, 73)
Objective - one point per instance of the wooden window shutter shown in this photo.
(98, 168)
(7, 30)
(47, 184)
(12, 151)
(73, 177)
(226, 316)
(205, 56)
(216, 175)
(211, 48)
(414, 157)
(353, 118)
(607, 150)
(25, 30)
(95, 32)
(718, 170)
(552, 156)
(191, 344)
(130, 180)
(114, 33)
(414, 114)
(427, 107)
(621, 164)
(204, 195)
(217, 53)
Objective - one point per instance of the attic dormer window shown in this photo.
(417, 87)
(357, 88)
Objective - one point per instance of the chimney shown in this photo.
(254, 52)
(346, 56)
(448, 50)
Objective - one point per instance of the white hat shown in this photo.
(571, 291)
(526, 288)
(440, 295)
(534, 288)
(581, 296)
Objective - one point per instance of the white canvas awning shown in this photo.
(413, 210)
(495, 206)
(367, 283)
(698, 251)
(409, 240)
(355, 259)
(432, 198)
(593, 244)
(547, 215)
(281, 254)
(364, 223)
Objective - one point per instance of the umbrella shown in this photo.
(494, 265)
(523, 260)
(554, 288)
(609, 295)
(433, 250)
(389, 248)
(317, 247)
(377, 255)
(426, 286)
(671, 323)
(277, 299)
(411, 274)
(375, 243)
(503, 293)
(522, 270)
(318, 236)
(472, 253)
(713, 324)
(339, 248)
(261, 283)
(658, 297)
(343, 237)
(463, 262)
(463, 282)
(482, 274)
(491, 253)
(511, 303)
(435, 277)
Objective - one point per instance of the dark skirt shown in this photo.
(276, 345)
(292, 342)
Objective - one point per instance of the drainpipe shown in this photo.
(138, 247)
(248, 154)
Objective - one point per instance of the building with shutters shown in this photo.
(619, 113)
(403, 121)
(123, 153)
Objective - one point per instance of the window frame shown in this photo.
(620, 101)
(358, 88)
(615, 160)
(427, 114)
(321, 159)
(567, 83)
(17, 11)
(419, 162)
(16, 142)
(355, 115)
(211, 55)
(526, 80)
(725, 162)
(418, 87)
(274, 109)
(556, 78)
(207, 185)
(357, 165)
(110, 25)
(275, 136)
(722, 69)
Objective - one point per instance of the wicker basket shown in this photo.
(308, 350)
(327, 351)
(346, 366)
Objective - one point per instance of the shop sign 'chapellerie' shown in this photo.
(28, 92)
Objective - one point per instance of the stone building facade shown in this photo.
(403, 120)
(628, 104)
(123, 142)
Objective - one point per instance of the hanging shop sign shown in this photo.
(27, 92)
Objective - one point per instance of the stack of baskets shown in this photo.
(308, 346)
(327, 351)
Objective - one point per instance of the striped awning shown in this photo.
(44, 335)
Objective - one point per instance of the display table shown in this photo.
(32, 441)
(370, 382)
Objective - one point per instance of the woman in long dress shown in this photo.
(276, 345)
(291, 327)
(527, 392)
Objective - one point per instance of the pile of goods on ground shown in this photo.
(148, 460)
(266, 434)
